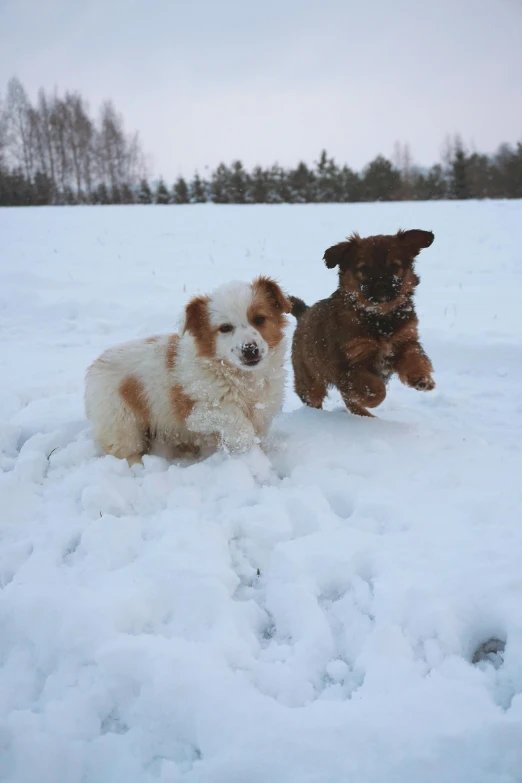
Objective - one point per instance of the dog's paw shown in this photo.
(424, 383)
(275, 442)
(258, 463)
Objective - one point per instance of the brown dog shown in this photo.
(367, 329)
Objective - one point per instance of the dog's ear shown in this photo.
(273, 292)
(415, 239)
(342, 254)
(196, 315)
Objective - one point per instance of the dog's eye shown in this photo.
(362, 272)
(226, 328)
(259, 320)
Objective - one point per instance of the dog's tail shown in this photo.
(298, 307)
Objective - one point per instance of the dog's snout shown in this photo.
(250, 350)
(382, 289)
(382, 293)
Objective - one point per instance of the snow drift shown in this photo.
(190, 622)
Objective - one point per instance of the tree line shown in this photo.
(55, 152)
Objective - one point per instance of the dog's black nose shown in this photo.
(384, 291)
(250, 351)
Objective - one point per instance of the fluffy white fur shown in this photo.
(223, 402)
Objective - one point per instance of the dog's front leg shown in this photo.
(235, 433)
(413, 366)
(361, 388)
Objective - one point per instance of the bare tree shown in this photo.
(57, 138)
(403, 161)
(59, 141)
(18, 127)
(136, 164)
(81, 140)
(119, 157)
(3, 134)
(451, 145)
(44, 114)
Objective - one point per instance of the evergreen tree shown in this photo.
(116, 197)
(102, 194)
(162, 195)
(69, 197)
(238, 184)
(4, 187)
(351, 185)
(220, 185)
(127, 196)
(302, 185)
(21, 189)
(180, 192)
(280, 191)
(42, 190)
(329, 180)
(431, 186)
(513, 174)
(144, 193)
(259, 187)
(479, 176)
(5, 190)
(459, 187)
(197, 190)
(506, 172)
(15, 189)
(420, 188)
(380, 181)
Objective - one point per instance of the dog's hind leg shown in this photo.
(120, 429)
(310, 390)
(126, 440)
(357, 409)
(361, 390)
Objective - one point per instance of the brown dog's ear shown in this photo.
(273, 292)
(341, 254)
(415, 240)
(196, 315)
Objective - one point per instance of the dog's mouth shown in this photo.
(382, 304)
(381, 299)
(381, 294)
(251, 362)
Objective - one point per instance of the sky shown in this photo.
(205, 81)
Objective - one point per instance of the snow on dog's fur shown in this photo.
(219, 383)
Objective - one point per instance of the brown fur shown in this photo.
(181, 403)
(172, 350)
(269, 302)
(133, 395)
(367, 329)
(197, 323)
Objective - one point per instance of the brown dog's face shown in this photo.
(378, 271)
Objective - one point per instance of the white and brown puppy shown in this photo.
(219, 383)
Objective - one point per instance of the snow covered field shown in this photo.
(188, 623)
